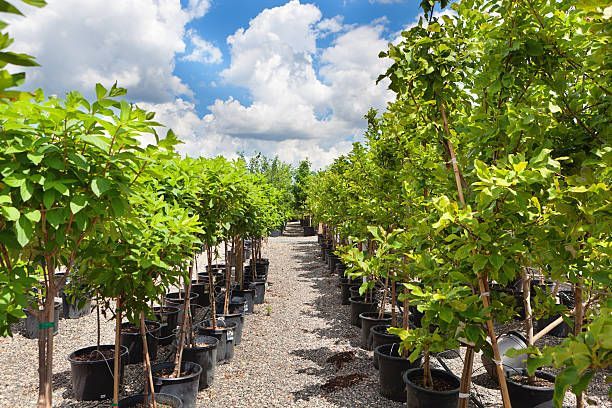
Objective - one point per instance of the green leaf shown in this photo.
(77, 204)
(10, 213)
(35, 158)
(24, 231)
(101, 142)
(26, 190)
(100, 186)
(446, 315)
(496, 261)
(479, 262)
(118, 206)
(22, 60)
(33, 216)
(49, 198)
(6, 7)
(100, 91)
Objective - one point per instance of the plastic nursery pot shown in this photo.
(130, 338)
(391, 366)
(201, 288)
(204, 353)
(238, 319)
(225, 334)
(359, 306)
(32, 323)
(531, 396)
(510, 365)
(380, 337)
(238, 304)
(445, 392)
(260, 291)
(137, 400)
(369, 320)
(249, 296)
(168, 317)
(91, 371)
(75, 308)
(185, 386)
(345, 290)
(177, 299)
(309, 231)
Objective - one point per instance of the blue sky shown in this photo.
(290, 78)
(224, 17)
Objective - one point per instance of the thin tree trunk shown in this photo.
(240, 262)
(183, 327)
(211, 288)
(45, 339)
(393, 303)
(578, 319)
(228, 280)
(147, 361)
(97, 326)
(117, 361)
(427, 380)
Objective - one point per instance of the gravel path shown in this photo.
(283, 358)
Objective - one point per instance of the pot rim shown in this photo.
(207, 346)
(540, 374)
(155, 322)
(378, 352)
(433, 371)
(70, 357)
(384, 319)
(197, 372)
(354, 300)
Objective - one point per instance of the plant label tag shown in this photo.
(230, 335)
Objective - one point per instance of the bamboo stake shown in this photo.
(147, 361)
(183, 327)
(117, 361)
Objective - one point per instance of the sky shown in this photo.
(289, 78)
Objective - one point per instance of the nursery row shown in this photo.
(481, 196)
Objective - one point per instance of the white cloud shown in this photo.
(274, 59)
(132, 41)
(203, 51)
(387, 1)
(330, 26)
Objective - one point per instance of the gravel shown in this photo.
(289, 356)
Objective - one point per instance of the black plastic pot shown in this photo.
(205, 355)
(332, 261)
(177, 299)
(238, 319)
(309, 231)
(133, 341)
(93, 380)
(202, 289)
(249, 296)
(168, 317)
(31, 322)
(369, 320)
(345, 290)
(137, 400)
(381, 337)
(359, 306)
(225, 334)
(390, 369)
(420, 397)
(260, 291)
(184, 387)
(75, 308)
(529, 396)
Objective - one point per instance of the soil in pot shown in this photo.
(162, 400)
(369, 320)
(185, 386)
(360, 305)
(525, 395)
(238, 319)
(168, 317)
(204, 353)
(91, 371)
(32, 323)
(130, 338)
(391, 366)
(444, 394)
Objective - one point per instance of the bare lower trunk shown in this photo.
(578, 319)
(240, 262)
(228, 280)
(211, 288)
(526, 278)
(117, 360)
(45, 342)
(466, 378)
(393, 304)
(147, 362)
(184, 326)
(484, 295)
(427, 380)
(383, 303)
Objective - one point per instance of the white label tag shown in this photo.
(246, 307)
(230, 335)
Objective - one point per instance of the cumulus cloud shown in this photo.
(203, 51)
(274, 59)
(134, 42)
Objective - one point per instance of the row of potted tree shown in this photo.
(481, 195)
